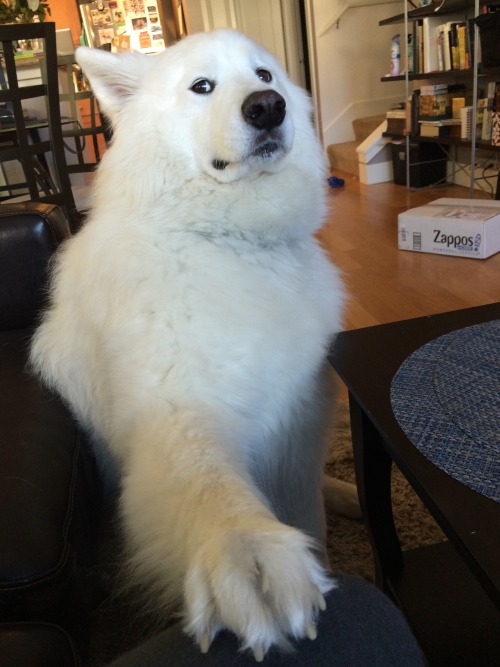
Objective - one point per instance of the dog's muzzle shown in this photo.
(265, 111)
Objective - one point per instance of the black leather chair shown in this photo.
(50, 492)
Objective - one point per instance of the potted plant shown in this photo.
(23, 11)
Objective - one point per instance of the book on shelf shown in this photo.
(455, 57)
(419, 51)
(27, 55)
(466, 120)
(488, 107)
(495, 128)
(491, 90)
(445, 46)
(482, 106)
(456, 104)
(478, 128)
(440, 128)
(436, 102)
(448, 46)
(430, 43)
(411, 59)
(444, 30)
(463, 46)
(434, 89)
(471, 36)
(487, 125)
(440, 49)
(396, 121)
(413, 106)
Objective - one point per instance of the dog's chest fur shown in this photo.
(225, 319)
(232, 296)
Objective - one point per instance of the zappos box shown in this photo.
(461, 227)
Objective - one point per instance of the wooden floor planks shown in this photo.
(386, 284)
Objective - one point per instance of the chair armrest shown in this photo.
(30, 232)
(51, 502)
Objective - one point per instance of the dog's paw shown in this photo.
(264, 584)
(341, 497)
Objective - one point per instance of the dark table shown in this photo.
(449, 592)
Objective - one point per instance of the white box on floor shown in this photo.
(461, 227)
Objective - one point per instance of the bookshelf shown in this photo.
(471, 76)
(443, 8)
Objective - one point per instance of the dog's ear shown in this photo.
(114, 77)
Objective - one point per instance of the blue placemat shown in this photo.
(446, 398)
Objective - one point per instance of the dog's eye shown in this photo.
(264, 75)
(203, 87)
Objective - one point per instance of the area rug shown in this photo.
(348, 545)
(118, 624)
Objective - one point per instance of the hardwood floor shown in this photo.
(386, 284)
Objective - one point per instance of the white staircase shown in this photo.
(375, 157)
(368, 156)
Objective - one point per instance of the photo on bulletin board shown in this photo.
(106, 35)
(118, 17)
(154, 23)
(140, 23)
(145, 41)
(101, 17)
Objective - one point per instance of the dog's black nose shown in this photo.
(264, 109)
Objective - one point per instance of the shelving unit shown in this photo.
(473, 75)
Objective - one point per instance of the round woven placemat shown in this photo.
(446, 398)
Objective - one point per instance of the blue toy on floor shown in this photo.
(335, 182)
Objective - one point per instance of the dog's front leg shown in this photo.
(199, 529)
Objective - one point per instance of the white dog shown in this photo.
(188, 327)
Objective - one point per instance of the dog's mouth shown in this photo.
(220, 165)
(265, 151)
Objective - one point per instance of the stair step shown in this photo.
(363, 127)
(343, 157)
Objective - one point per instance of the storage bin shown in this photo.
(427, 164)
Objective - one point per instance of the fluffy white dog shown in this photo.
(188, 327)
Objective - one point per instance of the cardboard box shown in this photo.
(460, 227)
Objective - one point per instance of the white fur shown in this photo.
(188, 328)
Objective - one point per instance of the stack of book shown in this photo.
(436, 102)
(440, 110)
(448, 127)
(490, 111)
(442, 46)
(28, 55)
(487, 114)
(396, 122)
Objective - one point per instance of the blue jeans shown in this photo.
(361, 627)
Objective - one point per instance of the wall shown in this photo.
(65, 14)
(351, 59)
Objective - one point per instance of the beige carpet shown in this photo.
(348, 544)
